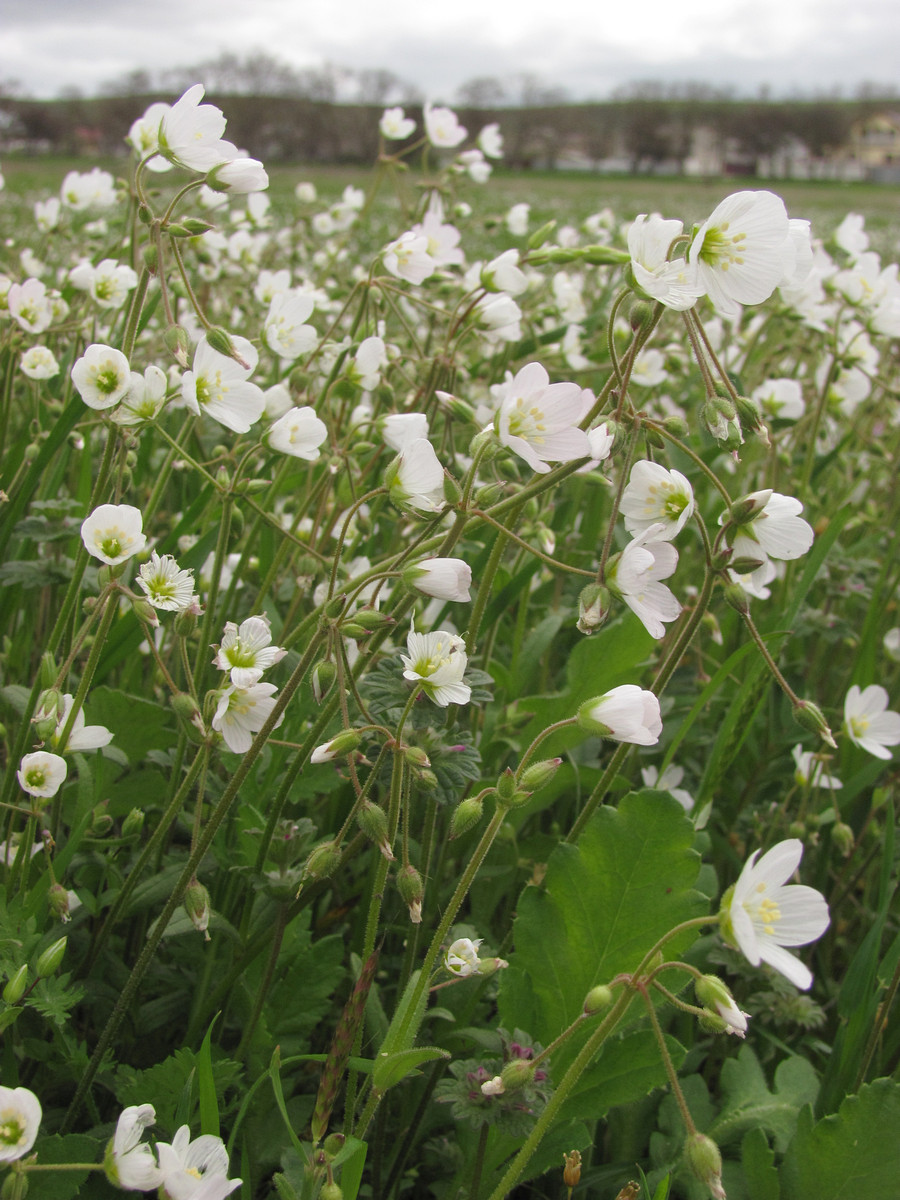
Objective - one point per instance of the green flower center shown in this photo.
(107, 380)
(12, 1129)
(722, 250)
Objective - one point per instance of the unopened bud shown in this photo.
(540, 236)
(331, 1191)
(220, 340)
(51, 959)
(737, 598)
(677, 426)
(371, 619)
(133, 824)
(196, 905)
(745, 564)
(641, 315)
(811, 717)
(101, 821)
(58, 900)
(342, 743)
(598, 999)
(185, 706)
(178, 343)
(323, 676)
(517, 1074)
(416, 756)
(323, 861)
(749, 506)
(412, 890)
(335, 607)
(843, 837)
(15, 1186)
(506, 785)
(334, 1143)
(539, 774)
(467, 813)
(372, 820)
(593, 607)
(185, 623)
(151, 258)
(427, 780)
(16, 985)
(705, 1161)
(48, 670)
(572, 1168)
(353, 629)
(452, 490)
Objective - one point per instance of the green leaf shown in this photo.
(603, 905)
(352, 1159)
(628, 1067)
(62, 1185)
(390, 1069)
(757, 1160)
(209, 1106)
(138, 725)
(853, 1154)
(749, 1104)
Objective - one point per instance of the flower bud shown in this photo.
(427, 780)
(58, 900)
(16, 985)
(709, 1022)
(843, 837)
(517, 1074)
(220, 340)
(489, 966)
(467, 813)
(185, 623)
(541, 235)
(101, 821)
(323, 861)
(416, 756)
(412, 890)
(196, 905)
(810, 716)
(737, 598)
(178, 343)
(598, 999)
(51, 959)
(335, 607)
(334, 1143)
(452, 490)
(539, 774)
(323, 676)
(744, 565)
(572, 1169)
(677, 426)
(331, 1191)
(372, 820)
(343, 743)
(593, 607)
(133, 824)
(150, 255)
(705, 1161)
(749, 506)
(641, 315)
(506, 785)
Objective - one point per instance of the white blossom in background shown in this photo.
(538, 420)
(624, 714)
(101, 376)
(408, 258)
(851, 236)
(305, 192)
(113, 533)
(270, 284)
(436, 663)
(369, 361)
(30, 306)
(649, 368)
(475, 165)
(490, 140)
(92, 189)
(128, 1162)
(108, 283)
(285, 331)
(442, 127)
(166, 586)
(517, 219)
(219, 387)
(869, 723)
(669, 781)
(242, 176)
(780, 398)
(442, 239)
(38, 362)
(46, 213)
(395, 125)
(247, 651)
(809, 770)
(143, 137)
(42, 774)
(20, 1119)
(635, 575)
(298, 433)
(891, 642)
(762, 913)
(655, 495)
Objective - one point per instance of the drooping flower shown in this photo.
(437, 661)
(443, 578)
(624, 714)
(42, 774)
(870, 724)
(101, 376)
(241, 175)
(246, 651)
(298, 433)
(461, 957)
(128, 1162)
(113, 533)
(194, 1170)
(635, 576)
(241, 712)
(653, 496)
(538, 420)
(218, 386)
(165, 584)
(20, 1119)
(772, 528)
(82, 737)
(762, 913)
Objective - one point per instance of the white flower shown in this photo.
(46, 213)
(368, 363)
(305, 192)
(740, 251)
(775, 530)
(461, 958)
(490, 140)
(395, 125)
(656, 495)
(109, 282)
(399, 429)
(143, 136)
(194, 1170)
(437, 662)
(39, 363)
(113, 533)
(762, 913)
(442, 128)
(20, 1119)
(246, 651)
(30, 306)
(851, 236)
(241, 712)
(285, 330)
(517, 219)
(166, 586)
(298, 433)
(634, 576)
(144, 399)
(218, 386)
(475, 164)
(891, 642)
(538, 420)
(408, 257)
(42, 774)
(808, 770)
(668, 782)
(443, 578)
(241, 175)
(675, 283)
(129, 1162)
(101, 376)
(625, 714)
(782, 398)
(190, 133)
(732, 1016)
(82, 737)
(503, 274)
(500, 316)
(91, 189)
(416, 477)
(442, 239)
(870, 724)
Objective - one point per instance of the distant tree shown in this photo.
(484, 91)
(534, 92)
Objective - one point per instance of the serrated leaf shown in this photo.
(851, 1155)
(748, 1103)
(603, 905)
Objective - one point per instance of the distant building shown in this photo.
(874, 146)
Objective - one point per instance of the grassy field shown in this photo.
(566, 196)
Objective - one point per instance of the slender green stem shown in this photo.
(667, 1062)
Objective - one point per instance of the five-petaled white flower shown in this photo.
(194, 1170)
(668, 781)
(870, 724)
(298, 433)
(773, 528)
(165, 584)
(538, 420)
(443, 578)
(808, 770)
(395, 125)
(416, 477)
(20, 1119)
(241, 712)
(39, 362)
(190, 133)
(246, 651)
(656, 495)
(635, 574)
(408, 257)
(82, 737)
(675, 283)
(624, 714)
(101, 376)
(218, 386)
(113, 533)
(128, 1162)
(442, 127)
(762, 913)
(437, 661)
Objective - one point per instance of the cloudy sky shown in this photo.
(589, 47)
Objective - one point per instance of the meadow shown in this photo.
(449, 663)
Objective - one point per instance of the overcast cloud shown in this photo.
(587, 48)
